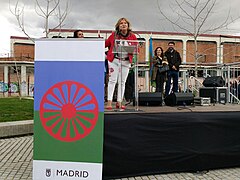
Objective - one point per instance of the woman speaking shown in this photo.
(118, 63)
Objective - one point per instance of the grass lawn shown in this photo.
(14, 109)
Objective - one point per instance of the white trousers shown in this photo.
(118, 72)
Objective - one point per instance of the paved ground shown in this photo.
(16, 164)
(16, 158)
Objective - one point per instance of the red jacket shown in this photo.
(110, 44)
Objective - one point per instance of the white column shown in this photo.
(185, 81)
(5, 79)
(147, 60)
(219, 57)
(147, 49)
(147, 89)
(23, 85)
(184, 58)
(219, 53)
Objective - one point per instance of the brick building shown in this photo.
(213, 51)
(17, 68)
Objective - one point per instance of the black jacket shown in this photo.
(173, 58)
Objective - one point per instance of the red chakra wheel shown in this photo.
(69, 111)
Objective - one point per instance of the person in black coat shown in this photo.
(159, 61)
(174, 61)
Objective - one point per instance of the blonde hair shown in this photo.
(118, 23)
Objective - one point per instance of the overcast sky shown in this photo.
(144, 15)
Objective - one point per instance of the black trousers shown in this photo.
(129, 87)
(160, 81)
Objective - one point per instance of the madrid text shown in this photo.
(72, 173)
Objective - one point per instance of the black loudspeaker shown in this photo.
(175, 99)
(214, 81)
(216, 94)
(149, 99)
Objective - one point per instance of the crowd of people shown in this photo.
(165, 65)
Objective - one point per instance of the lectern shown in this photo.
(122, 49)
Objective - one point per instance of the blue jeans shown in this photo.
(171, 75)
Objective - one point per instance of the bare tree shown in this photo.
(52, 14)
(193, 17)
(51, 11)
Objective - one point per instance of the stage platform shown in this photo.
(158, 109)
(164, 139)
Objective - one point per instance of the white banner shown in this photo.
(69, 49)
(57, 170)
